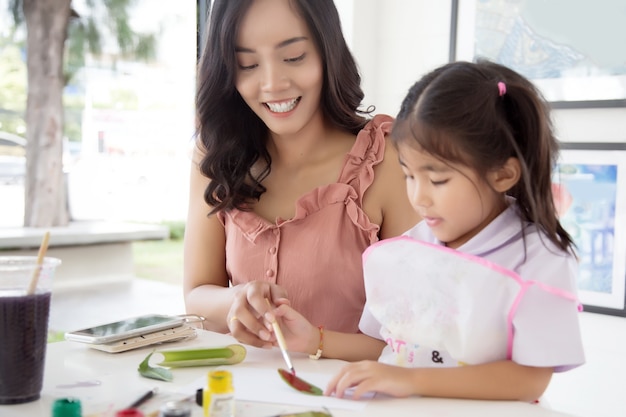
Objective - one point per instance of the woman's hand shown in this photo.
(370, 376)
(245, 319)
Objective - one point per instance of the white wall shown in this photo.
(591, 125)
(395, 42)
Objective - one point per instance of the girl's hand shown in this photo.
(245, 319)
(300, 335)
(370, 376)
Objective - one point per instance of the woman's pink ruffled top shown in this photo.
(316, 255)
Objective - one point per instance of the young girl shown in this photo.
(478, 299)
(291, 182)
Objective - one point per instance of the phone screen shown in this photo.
(124, 328)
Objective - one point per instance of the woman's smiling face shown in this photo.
(280, 71)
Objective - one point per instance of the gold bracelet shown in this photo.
(318, 354)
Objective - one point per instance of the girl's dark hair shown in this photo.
(233, 137)
(458, 113)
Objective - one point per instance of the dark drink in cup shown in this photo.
(24, 312)
(24, 330)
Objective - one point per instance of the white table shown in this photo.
(111, 382)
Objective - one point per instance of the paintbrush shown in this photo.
(281, 341)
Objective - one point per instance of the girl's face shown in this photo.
(453, 201)
(280, 72)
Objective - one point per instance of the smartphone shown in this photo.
(123, 329)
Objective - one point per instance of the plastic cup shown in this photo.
(23, 326)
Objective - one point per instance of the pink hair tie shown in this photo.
(501, 88)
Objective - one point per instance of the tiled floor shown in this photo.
(597, 389)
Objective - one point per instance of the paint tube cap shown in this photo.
(129, 412)
(66, 407)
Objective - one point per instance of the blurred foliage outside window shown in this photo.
(129, 123)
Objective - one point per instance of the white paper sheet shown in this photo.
(265, 385)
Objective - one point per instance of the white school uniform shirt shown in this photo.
(508, 293)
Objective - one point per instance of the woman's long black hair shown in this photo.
(232, 136)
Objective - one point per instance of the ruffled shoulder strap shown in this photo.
(367, 152)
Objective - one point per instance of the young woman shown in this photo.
(477, 149)
(291, 182)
